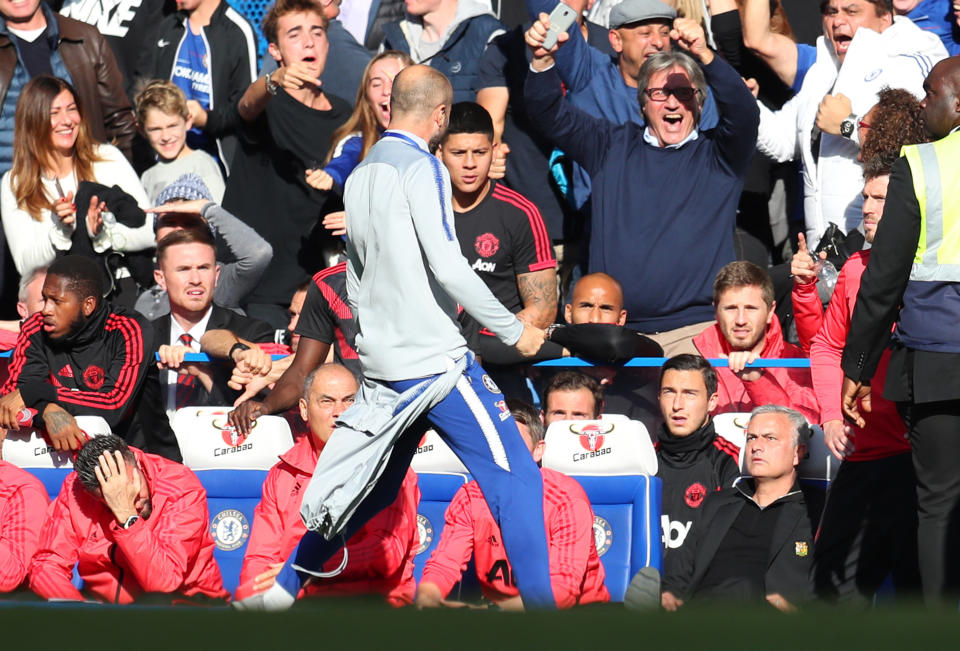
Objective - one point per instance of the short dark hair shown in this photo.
(88, 459)
(185, 236)
(281, 8)
(882, 7)
(688, 362)
(83, 275)
(574, 381)
(743, 274)
(469, 117)
(525, 414)
(876, 166)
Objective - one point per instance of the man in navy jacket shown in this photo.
(665, 194)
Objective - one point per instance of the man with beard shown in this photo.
(747, 329)
(82, 356)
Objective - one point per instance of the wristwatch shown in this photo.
(272, 86)
(848, 125)
(237, 346)
(130, 521)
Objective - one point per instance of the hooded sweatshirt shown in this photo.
(457, 52)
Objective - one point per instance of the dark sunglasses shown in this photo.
(682, 93)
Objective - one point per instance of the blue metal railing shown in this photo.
(636, 362)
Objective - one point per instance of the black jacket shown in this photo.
(233, 66)
(918, 376)
(691, 468)
(221, 318)
(791, 550)
(105, 369)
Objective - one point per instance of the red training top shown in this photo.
(790, 387)
(23, 509)
(825, 335)
(470, 530)
(169, 552)
(380, 555)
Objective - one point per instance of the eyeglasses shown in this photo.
(863, 125)
(682, 93)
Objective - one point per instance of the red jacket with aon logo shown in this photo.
(470, 530)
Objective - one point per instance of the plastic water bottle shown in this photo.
(826, 279)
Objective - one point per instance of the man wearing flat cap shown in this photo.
(606, 87)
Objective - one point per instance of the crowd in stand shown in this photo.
(689, 179)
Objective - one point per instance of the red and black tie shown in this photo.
(186, 384)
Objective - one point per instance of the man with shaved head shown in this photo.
(406, 278)
(912, 280)
(597, 298)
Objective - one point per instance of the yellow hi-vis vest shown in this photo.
(936, 183)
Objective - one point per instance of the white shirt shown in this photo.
(355, 15)
(169, 379)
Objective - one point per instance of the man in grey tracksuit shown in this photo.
(406, 277)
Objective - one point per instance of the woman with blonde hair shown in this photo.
(53, 152)
(371, 115)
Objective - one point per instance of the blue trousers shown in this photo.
(486, 439)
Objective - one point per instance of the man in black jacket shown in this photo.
(693, 461)
(187, 271)
(911, 280)
(754, 542)
(83, 356)
(209, 50)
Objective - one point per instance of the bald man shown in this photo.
(380, 554)
(597, 298)
(406, 278)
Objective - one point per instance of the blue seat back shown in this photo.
(626, 525)
(232, 496)
(436, 492)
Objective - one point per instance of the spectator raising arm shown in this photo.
(776, 50)
(584, 137)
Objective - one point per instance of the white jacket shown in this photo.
(899, 57)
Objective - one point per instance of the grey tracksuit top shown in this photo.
(405, 272)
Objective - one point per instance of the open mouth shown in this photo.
(673, 120)
(842, 42)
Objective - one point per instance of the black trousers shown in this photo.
(935, 440)
(868, 530)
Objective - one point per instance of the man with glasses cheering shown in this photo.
(664, 194)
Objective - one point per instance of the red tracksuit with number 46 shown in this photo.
(470, 530)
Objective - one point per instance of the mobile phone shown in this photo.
(561, 18)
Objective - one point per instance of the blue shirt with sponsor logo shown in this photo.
(191, 73)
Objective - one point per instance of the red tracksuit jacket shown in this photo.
(790, 387)
(825, 335)
(23, 508)
(470, 530)
(380, 554)
(171, 552)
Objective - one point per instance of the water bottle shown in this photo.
(826, 279)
